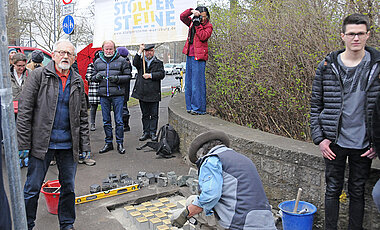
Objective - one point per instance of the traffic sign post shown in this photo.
(68, 24)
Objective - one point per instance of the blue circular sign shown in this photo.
(68, 24)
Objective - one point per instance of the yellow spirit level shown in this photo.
(105, 194)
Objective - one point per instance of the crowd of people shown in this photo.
(52, 123)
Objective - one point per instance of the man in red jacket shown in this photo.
(196, 49)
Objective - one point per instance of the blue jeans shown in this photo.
(359, 170)
(37, 169)
(117, 105)
(195, 85)
(376, 194)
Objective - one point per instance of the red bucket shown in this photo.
(51, 197)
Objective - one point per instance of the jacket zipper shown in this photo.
(341, 96)
(108, 93)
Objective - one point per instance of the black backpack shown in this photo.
(168, 142)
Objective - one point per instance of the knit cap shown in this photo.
(123, 51)
(11, 50)
(37, 56)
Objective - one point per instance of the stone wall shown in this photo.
(284, 164)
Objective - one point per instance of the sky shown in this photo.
(82, 3)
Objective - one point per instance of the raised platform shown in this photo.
(284, 164)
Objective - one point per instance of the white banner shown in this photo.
(132, 22)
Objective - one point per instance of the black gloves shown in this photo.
(114, 79)
(98, 77)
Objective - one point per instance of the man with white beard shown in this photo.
(52, 122)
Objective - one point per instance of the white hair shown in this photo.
(64, 41)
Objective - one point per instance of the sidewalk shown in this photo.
(95, 215)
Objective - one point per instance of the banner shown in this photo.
(133, 22)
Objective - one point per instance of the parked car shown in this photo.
(170, 69)
(28, 50)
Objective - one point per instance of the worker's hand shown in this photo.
(114, 79)
(324, 146)
(98, 77)
(179, 217)
(370, 154)
(147, 75)
(23, 153)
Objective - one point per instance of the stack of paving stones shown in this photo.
(111, 182)
(155, 214)
(145, 179)
(161, 179)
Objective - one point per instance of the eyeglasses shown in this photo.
(20, 66)
(352, 35)
(63, 53)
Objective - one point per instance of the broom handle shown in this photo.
(143, 57)
(297, 200)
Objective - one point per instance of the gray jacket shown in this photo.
(243, 203)
(16, 88)
(37, 107)
(327, 97)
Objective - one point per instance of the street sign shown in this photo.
(68, 24)
(67, 1)
(68, 9)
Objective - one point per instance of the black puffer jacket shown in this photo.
(148, 90)
(327, 97)
(116, 66)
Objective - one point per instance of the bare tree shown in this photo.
(36, 20)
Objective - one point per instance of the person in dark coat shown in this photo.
(112, 71)
(147, 89)
(124, 53)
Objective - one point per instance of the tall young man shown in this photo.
(344, 91)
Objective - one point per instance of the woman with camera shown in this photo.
(196, 49)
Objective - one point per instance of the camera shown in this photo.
(197, 20)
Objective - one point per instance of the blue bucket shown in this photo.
(295, 221)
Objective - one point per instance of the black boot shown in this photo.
(126, 123)
(120, 148)
(107, 147)
(144, 137)
(153, 137)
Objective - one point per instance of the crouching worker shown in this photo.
(231, 192)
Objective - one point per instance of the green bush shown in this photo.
(263, 56)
